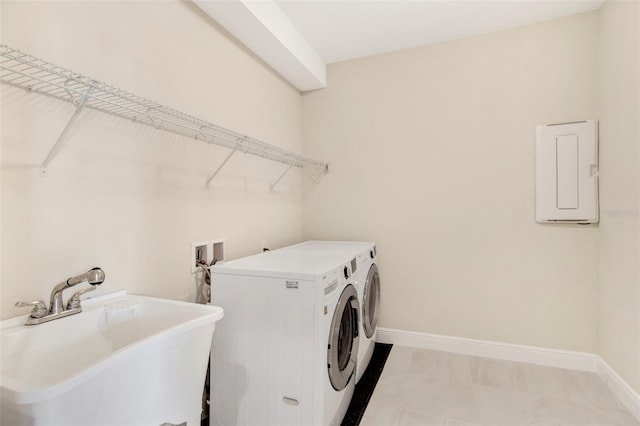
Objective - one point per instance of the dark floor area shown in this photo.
(364, 388)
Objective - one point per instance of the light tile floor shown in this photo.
(424, 387)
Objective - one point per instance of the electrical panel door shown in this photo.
(567, 172)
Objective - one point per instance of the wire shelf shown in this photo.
(23, 70)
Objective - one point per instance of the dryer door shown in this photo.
(343, 339)
(371, 301)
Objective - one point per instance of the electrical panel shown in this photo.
(567, 172)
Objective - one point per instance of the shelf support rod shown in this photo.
(280, 178)
(56, 147)
(220, 167)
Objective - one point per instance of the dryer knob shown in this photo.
(346, 272)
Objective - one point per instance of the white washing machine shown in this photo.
(286, 352)
(368, 286)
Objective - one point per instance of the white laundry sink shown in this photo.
(125, 360)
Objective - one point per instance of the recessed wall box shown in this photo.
(206, 251)
(567, 172)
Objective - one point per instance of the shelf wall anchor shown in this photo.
(220, 167)
(273, 185)
(56, 147)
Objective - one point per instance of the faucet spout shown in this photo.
(94, 277)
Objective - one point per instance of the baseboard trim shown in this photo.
(580, 361)
(485, 348)
(620, 388)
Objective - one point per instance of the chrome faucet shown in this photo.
(94, 277)
(40, 313)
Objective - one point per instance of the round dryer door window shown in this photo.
(343, 339)
(371, 302)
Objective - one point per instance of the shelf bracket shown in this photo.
(280, 178)
(56, 147)
(220, 167)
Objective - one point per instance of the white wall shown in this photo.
(125, 197)
(619, 230)
(431, 153)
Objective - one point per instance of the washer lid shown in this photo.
(335, 247)
(277, 263)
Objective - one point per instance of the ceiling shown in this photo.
(298, 38)
(343, 30)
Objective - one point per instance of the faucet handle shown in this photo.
(74, 300)
(39, 308)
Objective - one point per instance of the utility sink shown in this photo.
(125, 360)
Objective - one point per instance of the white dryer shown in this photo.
(368, 286)
(286, 353)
